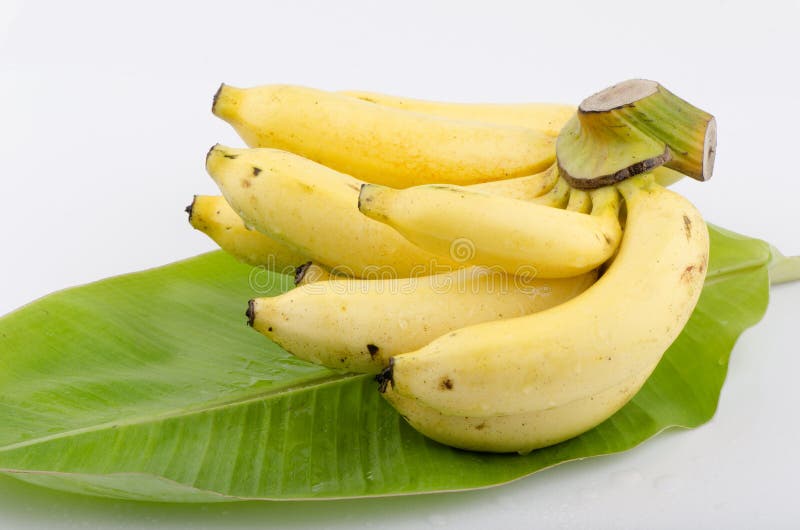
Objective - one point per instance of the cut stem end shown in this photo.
(631, 128)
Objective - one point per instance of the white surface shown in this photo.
(106, 121)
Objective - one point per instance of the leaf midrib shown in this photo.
(317, 382)
(245, 399)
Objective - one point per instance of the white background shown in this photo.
(106, 119)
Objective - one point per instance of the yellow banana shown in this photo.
(521, 432)
(546, 117)
(616, 331)
(356, 325)
(557, 196)
(215, 218)
(314, 209)
(528, 188)
(492, 231)
(579, 201)
(381, 144)
(294, 200)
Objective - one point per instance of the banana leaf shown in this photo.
(149, 386)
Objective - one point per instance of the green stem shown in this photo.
(783, 269)
(632, 128)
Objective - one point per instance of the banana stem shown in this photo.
(632, 128)
(690, 133)
(783, 269)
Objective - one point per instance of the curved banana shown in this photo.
(529, 188)
(579, 201)
(213, 216)
(615, 331)
(294, 200)
(356, 325)
(557, 196)
(380, 144)
(546, 117)
(492, 231)
(521, 432)
(313, 208)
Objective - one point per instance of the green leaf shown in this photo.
(149, 386)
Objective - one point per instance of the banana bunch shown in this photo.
(512, 274)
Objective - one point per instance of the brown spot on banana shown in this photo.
(373, 350)
(256, 171)
(689, 273)
(446, 384)
(687, 227)
(245, 183)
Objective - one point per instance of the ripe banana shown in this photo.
(529, 188)
(521, 432)
(546, 117)
(386, 317)
(215, 218)
(381, 144)
(616, 331)
(293, 200)
(314, 209)
(557, 197)
(482, 229)
(579, 201)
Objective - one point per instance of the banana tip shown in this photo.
(216, 98)
(251, 312)
(385, 377)
(189, 208)
(360, 193)
(211, 150)
(300, 272)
